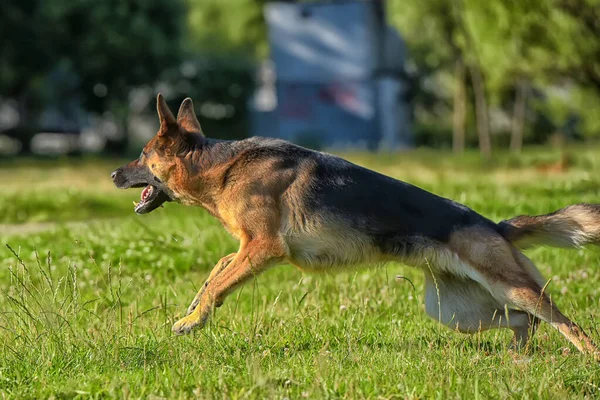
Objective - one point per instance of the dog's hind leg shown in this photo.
(464, 305)
(528, 295)
(512, 281)
(532, 270)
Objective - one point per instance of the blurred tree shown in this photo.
(572, 63)
(580, 47)
(24, 58)
(536, 58)
(481, 109)
(519, 115)
(111, 46)
(511, 49)
(225, 38)
(460, 108)
(429, 28)
(471, 53)
(438, 31)
(551, 44)
(506, 33)
(228, 26)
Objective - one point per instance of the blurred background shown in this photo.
(81, 76)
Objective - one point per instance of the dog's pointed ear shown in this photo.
(165, 116)
(186, 117)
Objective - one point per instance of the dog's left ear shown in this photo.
(165, 116)
(186, 117)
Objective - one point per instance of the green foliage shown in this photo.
(226, 26)
(427, 27)
(93, 52)
(87, 308)
(53, 51)
(553, 44)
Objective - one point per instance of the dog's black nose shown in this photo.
(115, 173)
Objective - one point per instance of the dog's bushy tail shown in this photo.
(572, 226)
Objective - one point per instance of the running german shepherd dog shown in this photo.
(288, 204)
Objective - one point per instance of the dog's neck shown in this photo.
(205, 165)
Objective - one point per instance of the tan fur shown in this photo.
(514, 283)
(476, 280)
(572, 226)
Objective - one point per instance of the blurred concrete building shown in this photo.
(336, 77)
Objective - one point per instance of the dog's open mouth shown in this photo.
(150, 199)
(134, 175)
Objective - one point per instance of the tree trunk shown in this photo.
(460, 108)
(519, 114)
(481, 112)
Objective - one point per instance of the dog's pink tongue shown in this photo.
(146, 192)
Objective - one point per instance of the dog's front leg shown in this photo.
(253, 258)
(221, 265)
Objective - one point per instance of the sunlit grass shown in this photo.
(86, 309)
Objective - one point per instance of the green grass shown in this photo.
(86, 308)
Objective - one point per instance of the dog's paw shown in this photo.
(185, 325)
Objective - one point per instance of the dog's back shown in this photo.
(335, 213)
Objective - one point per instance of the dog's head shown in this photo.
(161, 159)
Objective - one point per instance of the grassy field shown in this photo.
(89, 292)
